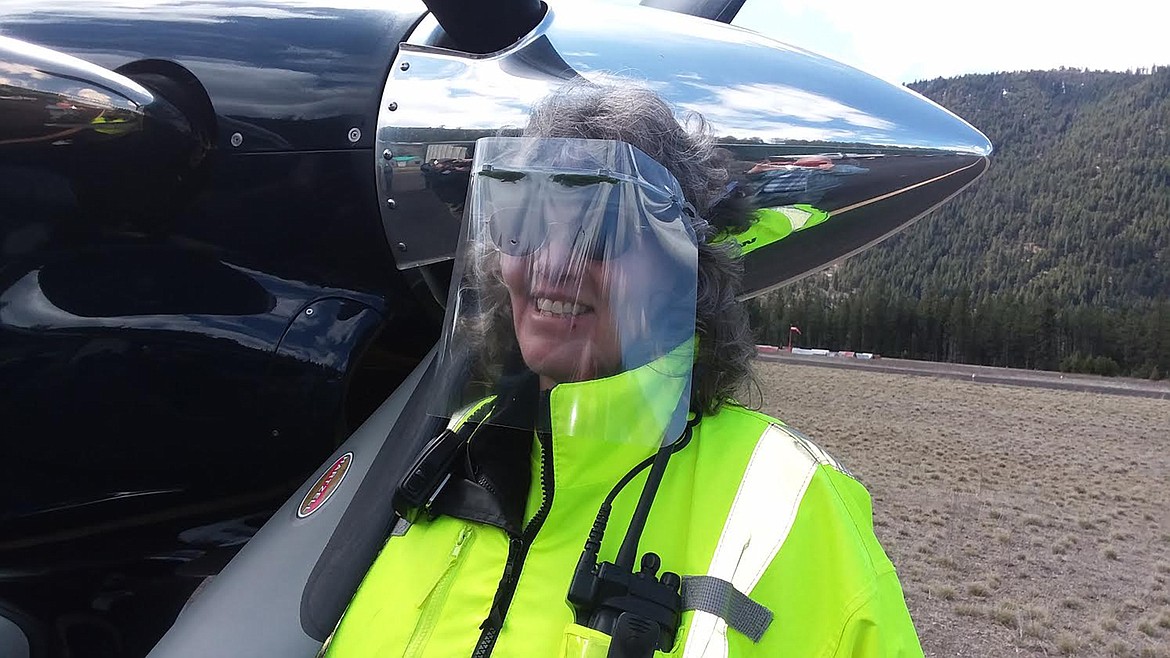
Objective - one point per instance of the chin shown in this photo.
(561, 372)
(562, 364)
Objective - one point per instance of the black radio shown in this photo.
(426, 477)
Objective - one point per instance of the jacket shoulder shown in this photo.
(745, 424)
(791, 482)
(830, 492)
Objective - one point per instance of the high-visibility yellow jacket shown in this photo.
(747, 501)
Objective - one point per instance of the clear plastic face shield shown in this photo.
(577, 275)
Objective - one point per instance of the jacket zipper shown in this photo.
(432, 605)
(487, 484)
(517, 552)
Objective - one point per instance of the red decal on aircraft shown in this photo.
(324, 487)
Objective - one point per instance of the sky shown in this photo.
(908, 40)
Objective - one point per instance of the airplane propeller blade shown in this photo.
(723, 11)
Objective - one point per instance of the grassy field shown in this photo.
(1023, 522)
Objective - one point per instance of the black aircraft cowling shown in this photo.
(286, 76)
(197, 300)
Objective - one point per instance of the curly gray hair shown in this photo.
(638, 116)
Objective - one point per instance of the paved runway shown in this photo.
(986, 374)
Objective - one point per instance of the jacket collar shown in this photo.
(603, 427)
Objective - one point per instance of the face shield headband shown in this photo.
(578, 270)
(605, 192)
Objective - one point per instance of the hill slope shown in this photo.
(1060, 255)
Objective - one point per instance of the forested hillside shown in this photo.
(1058, 258)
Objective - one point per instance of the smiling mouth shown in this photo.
(550, 308)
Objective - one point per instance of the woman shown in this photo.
(605, 345)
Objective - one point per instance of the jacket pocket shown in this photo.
(581, 642)
(431, 607)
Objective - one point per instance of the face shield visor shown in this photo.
(576, 275)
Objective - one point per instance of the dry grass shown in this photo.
(1024, 522)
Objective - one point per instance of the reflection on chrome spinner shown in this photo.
(805, 133)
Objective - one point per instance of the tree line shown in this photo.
(1058, 258)
(1002, 330)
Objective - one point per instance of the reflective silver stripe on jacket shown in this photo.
(762, 514)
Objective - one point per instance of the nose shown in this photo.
(563, 255)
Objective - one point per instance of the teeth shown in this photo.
(545, 305)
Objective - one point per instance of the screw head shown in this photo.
(391, 204)
(354, 135)
(237, 139)
(308, 311)
(401, 246)
(275, 433)
(392, 106)
(387, 154)
(405, 66)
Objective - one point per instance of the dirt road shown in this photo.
(1023, 521)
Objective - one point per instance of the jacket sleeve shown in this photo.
(880, 627)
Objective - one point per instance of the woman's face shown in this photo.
(574, 316)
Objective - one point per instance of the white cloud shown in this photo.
(781, 111)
